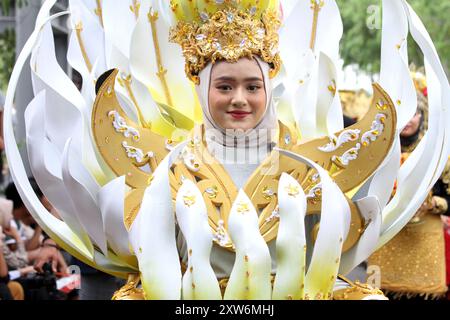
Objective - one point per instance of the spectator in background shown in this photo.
(36, 242)
(9, 290)
(31, 245)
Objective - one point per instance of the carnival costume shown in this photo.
(128, 161)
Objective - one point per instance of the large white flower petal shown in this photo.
(45, 163)
(291, 241)
(199, 280)
(152, 236)
(371, 213)
(91, 35)
(80, 187)
(423, 167)
(111, 201)
(250, 277)
(147, 63)
(119, 22)
(56, 228)
(334, 227)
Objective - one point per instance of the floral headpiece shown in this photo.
(211, 30)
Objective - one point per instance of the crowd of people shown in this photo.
(30, 261)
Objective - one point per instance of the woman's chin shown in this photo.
(239, 124)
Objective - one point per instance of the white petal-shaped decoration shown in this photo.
(57, 229)
(90, 34)
(45, 163)
(424, 165)
(305, 97)
(328, 32)
(111, 201)
(315, 108)
(394, 73)
(329, 109)
(250, 277)
(382, 183)
(80, 188)
(76, 61)
(157, 63)
(371, 212)
(152, 236)
(119, 21)
(334, 227)
(291, 241)
(64, 101)
(199, 280)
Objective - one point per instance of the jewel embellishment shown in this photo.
(212, 192)
(267, 192)
(121, 126)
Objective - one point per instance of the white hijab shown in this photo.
(258, 136)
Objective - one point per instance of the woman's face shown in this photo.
(412, 126)
(237, 97)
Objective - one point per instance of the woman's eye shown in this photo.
(253, 88)
(224, 88)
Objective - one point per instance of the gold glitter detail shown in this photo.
(407, 262)
(189, 199)
(292, 190)
(243, 207)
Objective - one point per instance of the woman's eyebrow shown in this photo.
(254, 79)
(228, 78)
(225, 78)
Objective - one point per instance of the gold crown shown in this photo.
(226, 30)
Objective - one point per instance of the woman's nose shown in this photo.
(239, 99)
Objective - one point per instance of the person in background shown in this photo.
(2, 144)
(30, 245)
(9, 290)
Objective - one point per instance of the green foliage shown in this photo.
(7, 56)
(362, 45)
(6, 5)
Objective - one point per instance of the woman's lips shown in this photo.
(239, 114)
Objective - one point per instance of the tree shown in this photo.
(362, 45)
(8, 4)
(7, 56)
(8, 43)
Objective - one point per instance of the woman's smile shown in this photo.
(239, 114)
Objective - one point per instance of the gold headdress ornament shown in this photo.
(210, 30)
